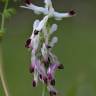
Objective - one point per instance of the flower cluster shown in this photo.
(43, 62)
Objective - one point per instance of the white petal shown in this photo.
(42, 23)
(36, 23)
(53, 28)
(35, 43)
(54, 40)
(36, 9)
(44, 51)
(61, 15)
(36, 76)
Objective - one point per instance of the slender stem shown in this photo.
(1, 73)
(3, 16)
(1, 64)
(44, 91)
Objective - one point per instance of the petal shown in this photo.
(72, 12)
(34, 83)
(28, 1)
(28, 43)
(59, 16)
(52, 69)
(35, 43)
(36, 76)
(40, 68)
(31, 68)
(42, 23)
(52, 82)
(44, 52)
(52, 90)
(53, 41)
(36, 9)
(61, 66)
(53, 28)
(36, 23)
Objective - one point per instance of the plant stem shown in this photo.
(44, 90)
(1, 64)
(1, 72)
(3, 16)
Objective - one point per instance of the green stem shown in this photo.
(44, 91)
(1, 64)
(1, 73)
(3, 16)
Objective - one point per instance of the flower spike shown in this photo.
(44, 63)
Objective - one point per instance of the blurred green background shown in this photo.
(76, 49)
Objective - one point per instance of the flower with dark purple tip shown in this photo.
(34, 83)
(52, 82)
(31, 68)
(28, 1)
(61, 66)
(28, 43)
(72, 12)
(52, 93)
(52, 90)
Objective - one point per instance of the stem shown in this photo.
(1, 73)
(1, 64)
(44, 91)
(3, 16)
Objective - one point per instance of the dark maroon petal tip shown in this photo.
(52, 93)
(53, 82)
(49, 76)
(34, 83)
(28, 1)
(28, 43)
(45, 80)
(31, 69)
(72, 12)
(48, 46)
(36, 32)
(40, 76)
(61, 66)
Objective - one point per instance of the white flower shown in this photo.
(48, 10)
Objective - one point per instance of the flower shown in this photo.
(48, 9)
(44, 63)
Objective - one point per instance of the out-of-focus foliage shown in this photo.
(9, 12)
